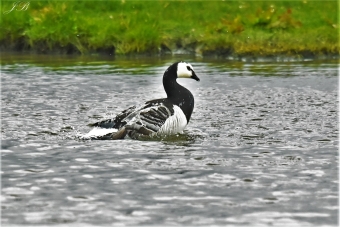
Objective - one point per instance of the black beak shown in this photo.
(194, 76)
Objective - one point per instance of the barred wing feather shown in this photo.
(149, 120)
(116, 122)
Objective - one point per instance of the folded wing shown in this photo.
(145, 120)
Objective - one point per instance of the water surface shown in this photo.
(261, 147)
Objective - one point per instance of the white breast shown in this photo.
(174, 124)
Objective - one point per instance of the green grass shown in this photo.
(237, 28)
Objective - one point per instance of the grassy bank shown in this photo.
(235, 28)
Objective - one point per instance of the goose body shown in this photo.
(166, 116)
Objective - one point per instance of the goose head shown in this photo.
(185, 70)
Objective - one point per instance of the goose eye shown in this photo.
(189, 68)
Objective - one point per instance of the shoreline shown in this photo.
(225, 53)
(222, 52)
(8, 56)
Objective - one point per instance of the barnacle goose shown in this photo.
(157, 117)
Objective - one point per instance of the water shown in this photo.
(261, 148)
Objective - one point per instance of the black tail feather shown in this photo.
(110, 123)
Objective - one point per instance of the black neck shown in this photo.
(179, 95)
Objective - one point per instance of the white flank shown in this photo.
(174, 124)
(98, 132)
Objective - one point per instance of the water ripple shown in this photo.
(261, 147)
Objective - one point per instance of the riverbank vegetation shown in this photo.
(228, 28)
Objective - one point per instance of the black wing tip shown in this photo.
(93, 124)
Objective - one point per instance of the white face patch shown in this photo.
(184, 70)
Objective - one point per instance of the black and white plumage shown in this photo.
(165, 116)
